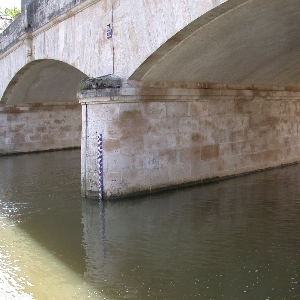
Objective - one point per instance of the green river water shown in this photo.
(236, 239)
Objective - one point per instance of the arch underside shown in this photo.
(255, 42)
(44, 81)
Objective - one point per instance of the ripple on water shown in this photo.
(238, 239)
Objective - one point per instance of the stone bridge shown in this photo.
(181, 91)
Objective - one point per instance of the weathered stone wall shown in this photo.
(39, 127)
(40, 12)
(169, 136)
(9, 36)
(34, 14)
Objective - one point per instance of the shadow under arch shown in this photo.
(239, 41)
(44, 81)
(39, 109)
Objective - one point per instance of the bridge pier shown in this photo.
(39, 127)
(162, 135)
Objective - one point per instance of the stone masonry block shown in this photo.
(157, 178)
(248, 107)
(3, 119)
(179, 173)
(182, 140)
(3, 132)
(112, 131)
(112, 177)
(134, 179)
(197, 108)
(226, 122)
(132, 145)
(236, 148)
(258, 120)
(67, 143)
(190, 155)
(118, 163)
(200, 170)
(177, 109)
(17, 138)
(241, 121)
(150, 160)
(268, 157)
(103, 112)
(222, 135)
(188, 124)
(226, 149)
(126, 127)
(130, 111)
(207, 124)
(197, 139)
(24, 147)
(169, 157)
(162, 126)
(273, 143)
(34, 137)
(210, 152)
(225, 166)
(156, 110)
(155, 142)
(112, 146)
(17, 127)
(221, 107)
(259, 145)
(240, 135)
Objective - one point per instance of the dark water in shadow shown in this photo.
(237, 239)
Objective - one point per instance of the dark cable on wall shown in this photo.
(112, 39)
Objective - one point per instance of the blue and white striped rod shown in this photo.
(100, 162)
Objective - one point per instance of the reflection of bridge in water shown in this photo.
(218, 240)
(207, 89)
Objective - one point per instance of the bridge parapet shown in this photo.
(34, 15)
(9, 37)
(41, 12)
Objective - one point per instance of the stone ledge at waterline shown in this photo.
(162, 135)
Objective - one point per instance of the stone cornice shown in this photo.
(175, 91)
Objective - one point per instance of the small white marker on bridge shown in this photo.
(109, 32)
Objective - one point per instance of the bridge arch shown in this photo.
(44, 81)
(39, 109)
(248, 42)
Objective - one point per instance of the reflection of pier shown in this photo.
(102, 227)
(93, 219)
(179, 243)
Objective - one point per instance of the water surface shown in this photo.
(237, 239)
